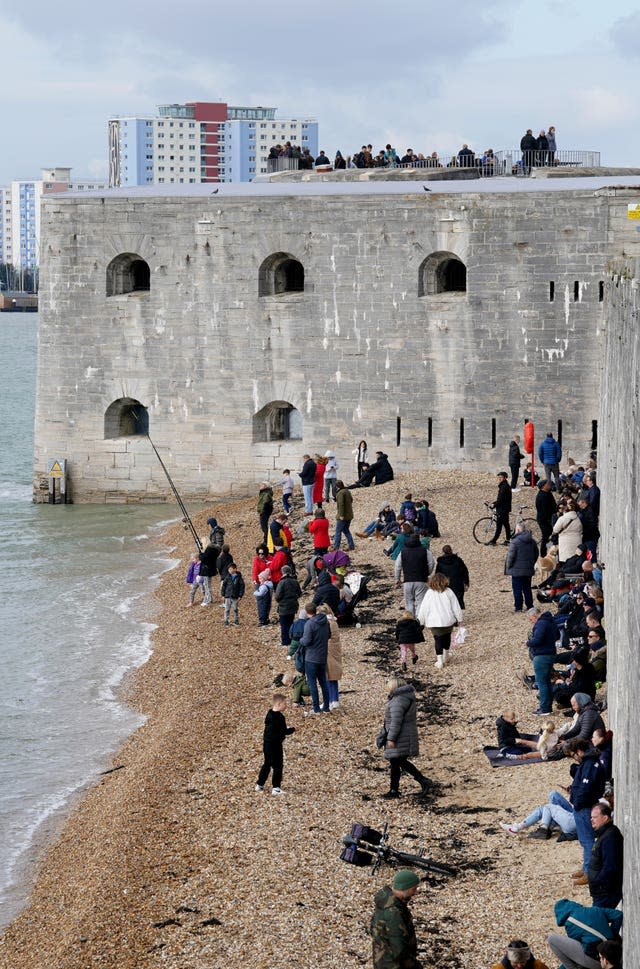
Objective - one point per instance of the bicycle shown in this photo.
(485, 527)
(366, 846)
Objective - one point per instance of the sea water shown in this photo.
(76, 614)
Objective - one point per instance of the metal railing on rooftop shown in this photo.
(510, 161)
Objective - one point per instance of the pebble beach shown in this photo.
(172, 859)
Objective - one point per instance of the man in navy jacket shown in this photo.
(542, 650)
(605, 863)
(315, 643)
(586, 787)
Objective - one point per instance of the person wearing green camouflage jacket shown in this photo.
(394, 938)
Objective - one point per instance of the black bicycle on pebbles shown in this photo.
(366, 846)
(485, 528)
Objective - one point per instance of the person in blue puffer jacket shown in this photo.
(550, 454)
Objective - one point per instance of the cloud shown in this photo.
(417, 75)
(604, 108)
(369, 43)
(625, 35)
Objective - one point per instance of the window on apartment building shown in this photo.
(128, 273)
(126, 417)
(442, 272)
(280, 273)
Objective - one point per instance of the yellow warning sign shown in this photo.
(633, 210)
(55, 470)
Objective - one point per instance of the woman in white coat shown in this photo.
(568, 528)
(440, 611)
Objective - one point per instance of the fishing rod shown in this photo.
(185, 515)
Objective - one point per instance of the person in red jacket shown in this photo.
(276, 564)
(318, 482)
(319, 529)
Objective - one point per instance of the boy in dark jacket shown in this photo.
(275, 730)
(510, 740)
(232, 592)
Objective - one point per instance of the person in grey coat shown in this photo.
(520, 564)
(401, 740)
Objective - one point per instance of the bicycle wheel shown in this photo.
(533, 527)
(484, 530)
(425, 864)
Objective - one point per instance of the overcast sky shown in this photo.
(420, 73)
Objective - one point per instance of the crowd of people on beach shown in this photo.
(567, 649)
(537, 151)
(566, 646)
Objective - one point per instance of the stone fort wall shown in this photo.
(368, 348)
(619, 463)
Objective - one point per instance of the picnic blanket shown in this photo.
(496, 759)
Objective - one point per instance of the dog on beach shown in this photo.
(547, 563)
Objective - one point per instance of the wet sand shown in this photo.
(173, 860)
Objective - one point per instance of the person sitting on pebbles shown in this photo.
(518, 955)
(518, 746)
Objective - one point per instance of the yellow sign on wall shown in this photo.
(57, 469)
(633, 210)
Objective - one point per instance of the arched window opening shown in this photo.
(277, 421)
(128, 273)
(442, 272)
(279, 274)
(126, 417)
